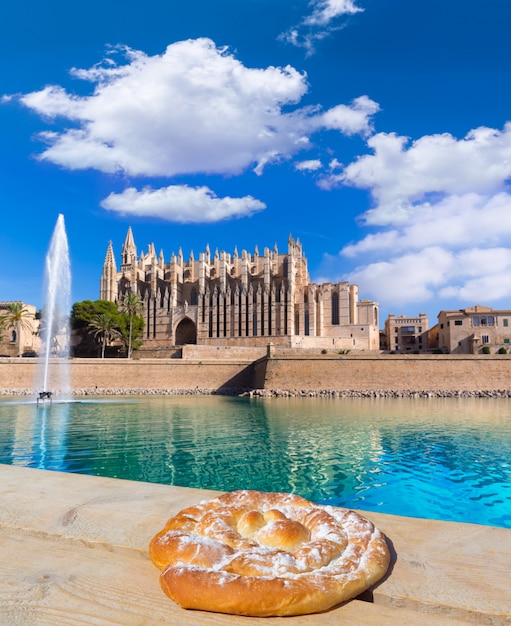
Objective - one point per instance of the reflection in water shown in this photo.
(435, 458)
(34, 435)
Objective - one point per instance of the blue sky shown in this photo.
(377, 132)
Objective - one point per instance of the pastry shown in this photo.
(267, 554)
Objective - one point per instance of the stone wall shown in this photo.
(347, 373)
(109, 375)
(240, 353)
(390, 372)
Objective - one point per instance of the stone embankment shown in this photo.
(375, 393)
(364, 376)
(142, 391)
(275, 393)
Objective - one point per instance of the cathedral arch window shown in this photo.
(193, 296)
(335, 308)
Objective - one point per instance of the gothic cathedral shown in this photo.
(239, 300)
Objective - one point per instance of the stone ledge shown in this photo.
(74, 551)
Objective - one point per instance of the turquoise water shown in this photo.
(444, 459)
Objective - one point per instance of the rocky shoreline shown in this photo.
(275, 393)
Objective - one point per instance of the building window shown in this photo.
(335, 308)
(506, 340)
(505, 321)
(485, 339)
(458, 322)
(193, 297)
(487, 321)
(475, 320)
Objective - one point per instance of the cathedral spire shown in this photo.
(108, 283)
(129, 249)
(110, 258)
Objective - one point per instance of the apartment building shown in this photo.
(475, 330)
(406, 334)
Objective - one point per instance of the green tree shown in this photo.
(82, 313)
(17, 317)
(132, 305)
(104, 327)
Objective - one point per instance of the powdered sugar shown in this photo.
(258, 538)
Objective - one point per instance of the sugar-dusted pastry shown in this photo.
(267, 554)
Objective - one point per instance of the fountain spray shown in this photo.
(55, 315)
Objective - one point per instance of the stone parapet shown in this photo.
(395, 373)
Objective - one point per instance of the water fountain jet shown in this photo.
(55, 317)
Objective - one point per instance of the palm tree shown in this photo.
(16, 317)
(105, 327)
(132, 304)
(3, 324)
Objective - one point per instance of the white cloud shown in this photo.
(320, 23)
(401, 176)
(53, 101)
(456, 251)
(351, 120)
(455, 222)
(452, 278)
(181, 203)
(308, 166)
(441, 219)
(409, 278)
(327, 10)
(481, 273)
(193, 109)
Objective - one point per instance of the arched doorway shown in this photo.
(186, 332)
